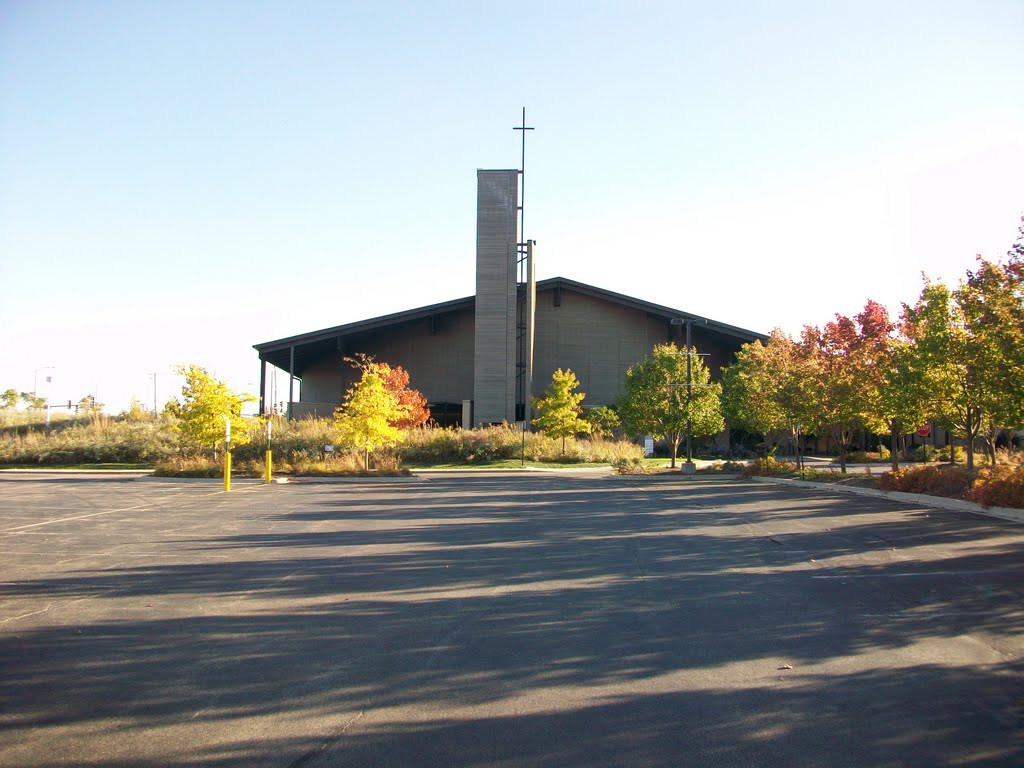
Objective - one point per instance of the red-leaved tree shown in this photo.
(411, 402)
(839, 397)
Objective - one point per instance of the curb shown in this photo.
(281, 480)
(957, 505)
(328, 479)
(63, 471)
(211, 480)
(495, 470)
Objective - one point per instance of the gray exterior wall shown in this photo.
(599, 340)
(438, 357)
(494, 382)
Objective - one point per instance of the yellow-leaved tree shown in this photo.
(560, 410)
(206, 405)
(366, 419)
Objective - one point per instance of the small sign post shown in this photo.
(227, 453)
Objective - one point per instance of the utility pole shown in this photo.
(689, 400)
(155, 411)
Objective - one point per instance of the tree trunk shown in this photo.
(842, 438)
(673, 441)
(366, 459)
(990, 443)
(894, 442)
(970, 441)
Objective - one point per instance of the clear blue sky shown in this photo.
(181, 180)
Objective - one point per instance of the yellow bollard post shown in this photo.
(227, 454)
(268, 467)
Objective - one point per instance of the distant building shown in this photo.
(477, 359)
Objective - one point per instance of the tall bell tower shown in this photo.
(497, 249)
(505, 298)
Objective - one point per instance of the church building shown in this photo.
(480, 359)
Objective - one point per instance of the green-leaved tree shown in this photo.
(769, 388)
(604, 421)
(991, 299)
(656, 398)
(560, 410)
(953, 377)
(8, 399)
(33, 401)
(88, 405)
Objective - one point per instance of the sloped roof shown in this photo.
(315, 344)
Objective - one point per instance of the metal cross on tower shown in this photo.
(526, 295)
(522, 181)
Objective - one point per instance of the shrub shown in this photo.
(959, 453)
(934, 480)
(635, 466)
(1000, 486)
(924, 452)
(724, 466)
(822, 475)
(768, 467)
(731, 466)
(867, 457)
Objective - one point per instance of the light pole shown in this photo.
(688, 468)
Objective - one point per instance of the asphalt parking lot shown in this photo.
(538, 619)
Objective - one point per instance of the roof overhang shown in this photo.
(296, 353)
(309, 347)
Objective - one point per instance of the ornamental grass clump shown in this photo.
(191, 466)
(100, 440)
(344, 464)
(433, 446)
(506, 443)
